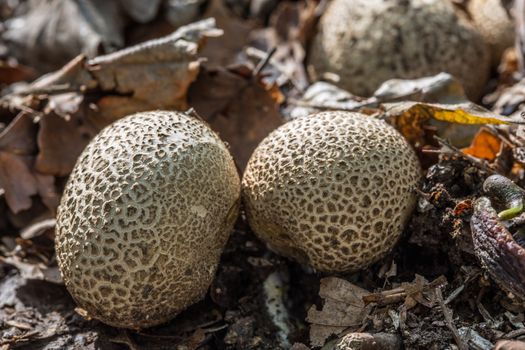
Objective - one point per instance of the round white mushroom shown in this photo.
(144, 217)
(333, 190)
(366, 42)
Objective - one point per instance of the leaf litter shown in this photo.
(430, 292)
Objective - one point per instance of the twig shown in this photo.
(456, 151)
(447, 313)
(49, 90)
(458, 290)
(400, 293)
(261, 55)
(514, 334)
(264, 62)
(454, 294)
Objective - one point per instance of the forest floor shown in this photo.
(430, 292)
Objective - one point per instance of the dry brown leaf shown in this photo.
(142, 77)
(16, 149)
(74, 103)
(419, 291)
(150, 82)
(485, 145)
(343, 308)
(60, 141)
(19, 137)
(17, 181)
(223, 51)
(11, 73)
(509, 345)
(240, 109)
(47, 191)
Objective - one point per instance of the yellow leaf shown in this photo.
(409, 117)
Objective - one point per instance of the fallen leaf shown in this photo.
(36, 271)
(53, 32)
(409, 117)
(292, 20)
(38, 228)
(441, 88)
(325, 96)
(343, 308)
(509, 345)
(485, 145)
(60, 141)
(17, 181)
(12, 73)
(419, 291)
(75, 102)
(145, 72)
(19, 136)
(223, 51)
(240, 109)
(16, 177)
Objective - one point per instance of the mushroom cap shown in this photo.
(333, 190)
(144, 218)
(494, 21)
(367, 42)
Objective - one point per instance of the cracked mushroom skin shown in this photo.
(366, 42)
(144, 218)
(333, 190)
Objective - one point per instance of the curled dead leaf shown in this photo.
(409, 117)
(74, 103)
(485, 145)
(222, 51)
(16, 176)
(343, 308)
(60, 141)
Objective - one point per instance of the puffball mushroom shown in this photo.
(144, 218)
(333, 190)
(493, 20)
(366, 42)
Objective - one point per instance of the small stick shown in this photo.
(264, 62)
(447, 313)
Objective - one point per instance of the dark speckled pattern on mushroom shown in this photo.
(367, 42)
(144, 218)
(333, 190)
